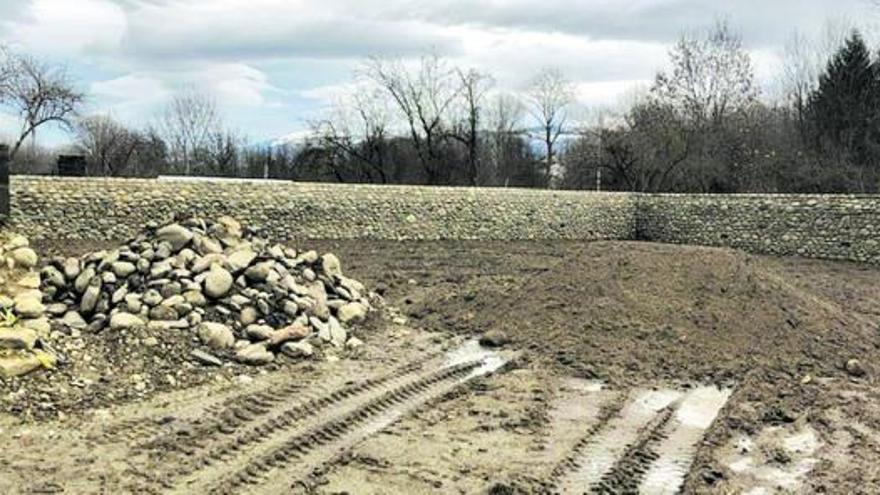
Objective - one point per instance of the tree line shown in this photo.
(702, 126)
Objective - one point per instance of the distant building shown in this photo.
(72, 165)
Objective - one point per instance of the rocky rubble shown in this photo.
(23, 324)
(239, 296)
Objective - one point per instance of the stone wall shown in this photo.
(821, 226)
(818, 226)
(103, 209)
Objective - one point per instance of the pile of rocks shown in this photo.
(240, 296)
(23, 323)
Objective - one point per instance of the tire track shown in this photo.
(245, 420)
(301, 455)
(644, 443)
(626, 474)
(230, 458)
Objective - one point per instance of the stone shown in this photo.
(338, 335)
(29, 305)
(255, 354)
(16, 241)
(354, 343)
(125, 321)
(18, 364)
(259, 332)
(353, 312)
(205, 262)
(331, 266)
(119, 295)
(83, 279)
(133, 302)
(259, 272)
(176, 235)
(163, 312)
(108, 260)
(52, 276)
(39, 325)
(99, 321)
(317, 292)
(218, 282)
(231, 227)
(90, 296)
(195, 297)
(298, 350)
(854, 368)
(240, 259)
(248, 315)
(207, 245)
(123, 268)
(494, 338)
(160, 269)
(19, 338)
(288, 333)
(205, 358)
(71, 268)
(56, 309)
(216, 335)
(74, 320)
(30, 281)
(165, 325)
(152, 298)
(25, 257)
(290, 308)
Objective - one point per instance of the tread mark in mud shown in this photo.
(297, 447)
(629, 470)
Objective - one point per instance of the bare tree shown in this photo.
(37, 93)
(188, 125)
(505, 124)
(549, 97)
(474, 87)
(356, 131)
(423, 98)
(109, 145)
(711, 76)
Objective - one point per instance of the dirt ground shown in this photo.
(615, 349)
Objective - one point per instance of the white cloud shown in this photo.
(65, 27)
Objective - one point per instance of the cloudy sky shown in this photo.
(272, 64)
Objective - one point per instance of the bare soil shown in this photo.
(597, 328)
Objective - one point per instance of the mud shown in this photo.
(640, 367)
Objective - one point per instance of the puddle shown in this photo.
(610, 444)
(472, 351)
(777, 459)
(695, 414)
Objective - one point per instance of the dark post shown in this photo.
(4, 183)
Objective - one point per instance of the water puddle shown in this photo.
(696, 412)
(778, 459)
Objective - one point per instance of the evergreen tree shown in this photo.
(843, 108)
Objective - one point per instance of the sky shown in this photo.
(274, 65)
